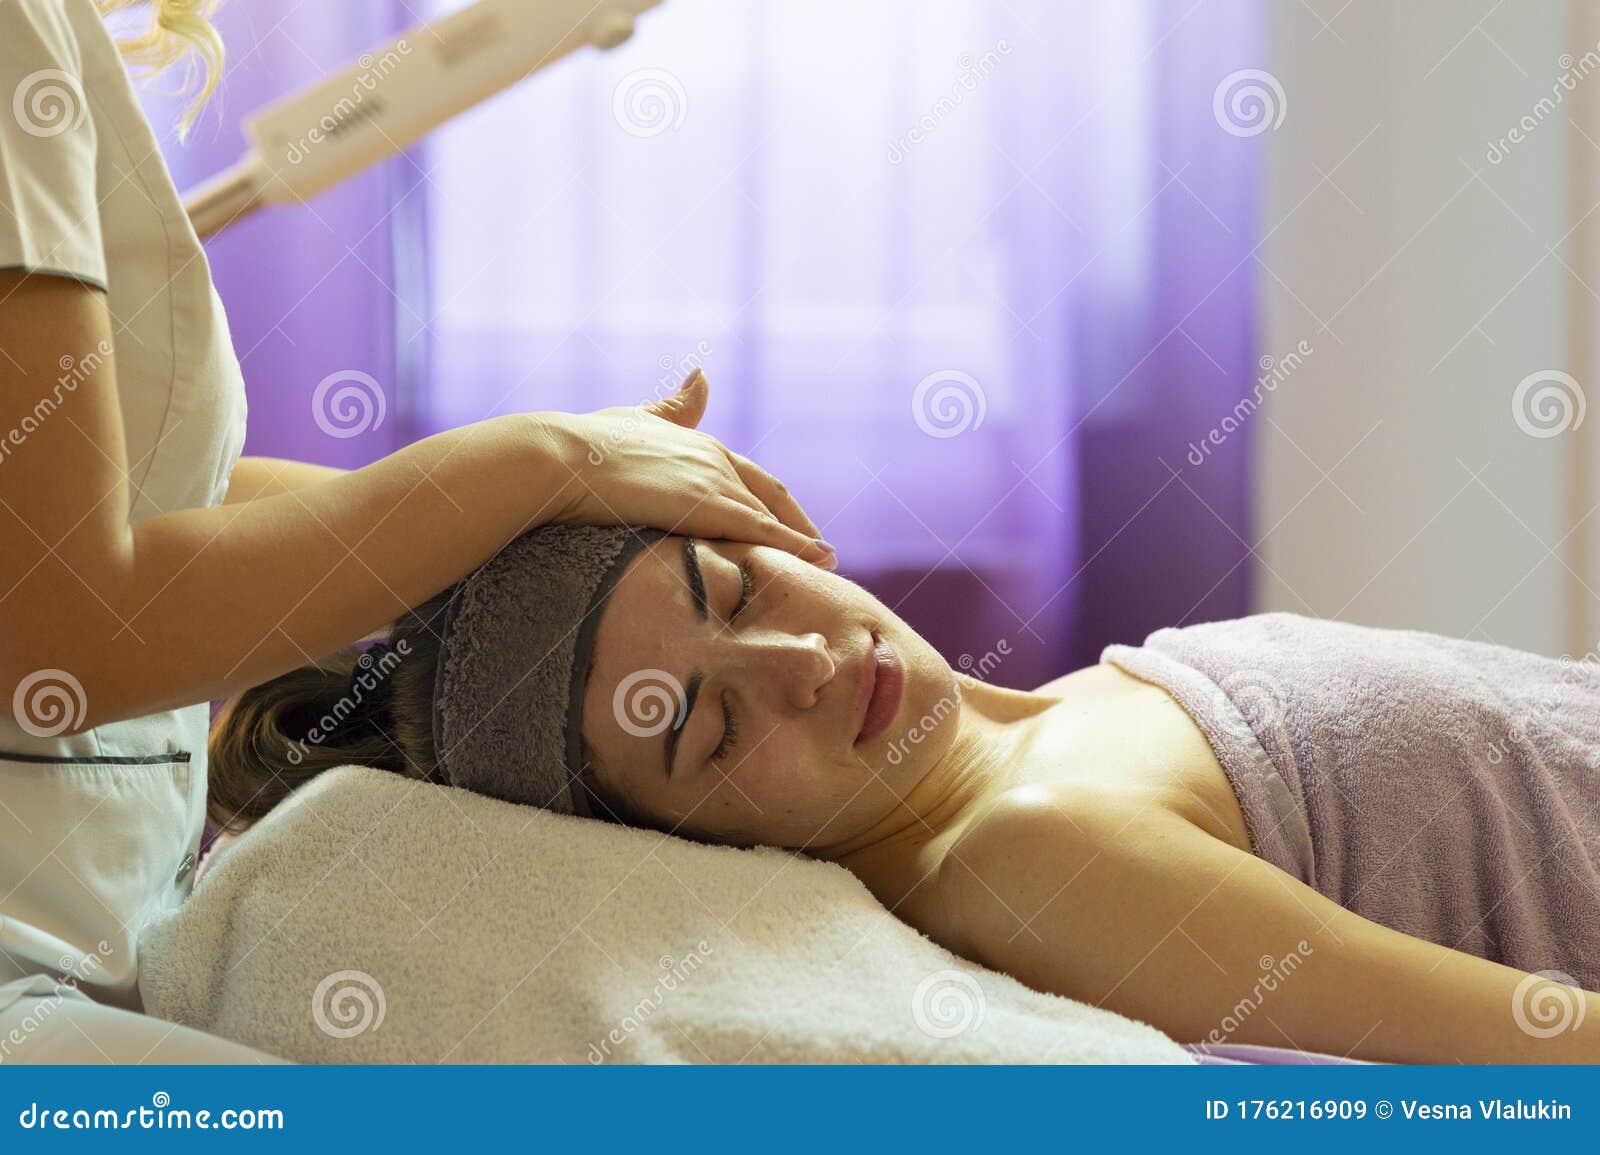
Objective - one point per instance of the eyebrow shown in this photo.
(697, 583)
(697, 590)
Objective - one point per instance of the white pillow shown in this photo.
(374, 919)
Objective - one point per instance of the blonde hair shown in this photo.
(178, 30)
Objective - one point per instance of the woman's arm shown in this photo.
(1132, 908)
(199, 603)
(255, 477)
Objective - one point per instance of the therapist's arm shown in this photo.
(199, 603)
(256, 477)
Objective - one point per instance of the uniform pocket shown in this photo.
(90, 848)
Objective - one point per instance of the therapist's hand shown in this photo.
(651, 466)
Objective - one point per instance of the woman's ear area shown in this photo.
(688, 405)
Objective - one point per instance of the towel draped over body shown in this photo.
(1445, 788)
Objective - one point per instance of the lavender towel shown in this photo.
(1445, 788)
(1255, 1055)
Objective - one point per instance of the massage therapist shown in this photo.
(146, 567)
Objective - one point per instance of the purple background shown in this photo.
(1077, 237)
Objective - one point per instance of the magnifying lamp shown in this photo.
(397, 92)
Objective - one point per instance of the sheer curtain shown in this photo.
(968, 275)
(920, 249)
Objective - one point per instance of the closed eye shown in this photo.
(730, 730)
(747, 590)
(730, 724)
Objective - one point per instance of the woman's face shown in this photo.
(740, 694)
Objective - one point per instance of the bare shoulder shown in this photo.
(1030, 812)
(1099, 677)
(1025, 853)
(1065, 822)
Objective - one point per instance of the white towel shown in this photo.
(374, 919)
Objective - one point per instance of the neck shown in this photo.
(982, 759)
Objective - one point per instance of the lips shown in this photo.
(883, 681)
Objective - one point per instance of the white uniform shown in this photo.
(100, 830)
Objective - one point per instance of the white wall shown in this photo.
(1429, 283)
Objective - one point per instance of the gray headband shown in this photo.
(514, 655)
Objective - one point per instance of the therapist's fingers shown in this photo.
(733, 520)
(774, 494)
(688, 405)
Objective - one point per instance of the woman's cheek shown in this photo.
(761, 777)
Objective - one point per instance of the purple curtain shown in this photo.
(969, 277)
(319, 289)
(1167, 540)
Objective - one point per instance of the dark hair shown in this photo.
(267, 741)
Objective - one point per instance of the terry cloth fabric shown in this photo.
(1445, 788)
(372, 918)
(514, 658)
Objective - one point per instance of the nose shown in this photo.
(794, 666)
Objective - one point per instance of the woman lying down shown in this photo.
(1400, 827)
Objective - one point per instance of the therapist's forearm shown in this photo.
(258, 477)
(224, 598)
